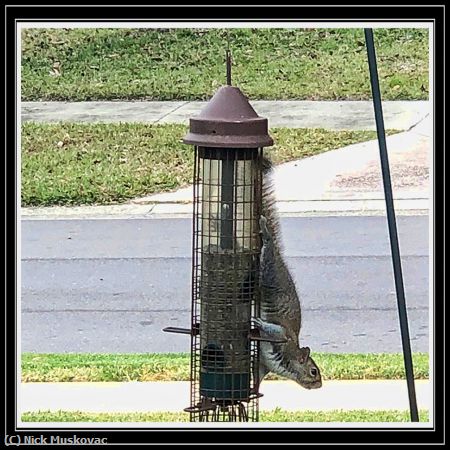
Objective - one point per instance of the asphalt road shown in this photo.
(112, 285)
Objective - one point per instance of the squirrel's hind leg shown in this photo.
(265, 233)
(268, 273)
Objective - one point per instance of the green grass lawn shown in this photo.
(74, 367)
(75, 164)
(188, 64)
(276, 415)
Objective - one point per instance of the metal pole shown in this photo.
(396, 261)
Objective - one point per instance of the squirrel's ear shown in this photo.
(304, 354)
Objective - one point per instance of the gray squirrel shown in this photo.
(280, 309)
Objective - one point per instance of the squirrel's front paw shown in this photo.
(269, 329)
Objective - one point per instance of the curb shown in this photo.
(296, 208)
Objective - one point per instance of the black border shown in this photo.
(232, 13)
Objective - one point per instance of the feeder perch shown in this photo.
(228, 138)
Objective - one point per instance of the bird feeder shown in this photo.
(228, 138)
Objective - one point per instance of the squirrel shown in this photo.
(280, 309)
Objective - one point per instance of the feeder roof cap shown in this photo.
(228, 104)
(228, 120)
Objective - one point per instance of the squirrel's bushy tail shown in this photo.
(269, 202)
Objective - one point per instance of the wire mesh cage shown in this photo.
(225, 293)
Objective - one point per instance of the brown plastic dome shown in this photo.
(228, 120)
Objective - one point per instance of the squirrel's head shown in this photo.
(305, 370)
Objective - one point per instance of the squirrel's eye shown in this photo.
(313, 371)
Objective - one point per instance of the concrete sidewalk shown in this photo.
(174, 396)
(346, 181)
(331, 115)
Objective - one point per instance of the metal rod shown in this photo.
(228, 67)
(194, 331)
(396, 261)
